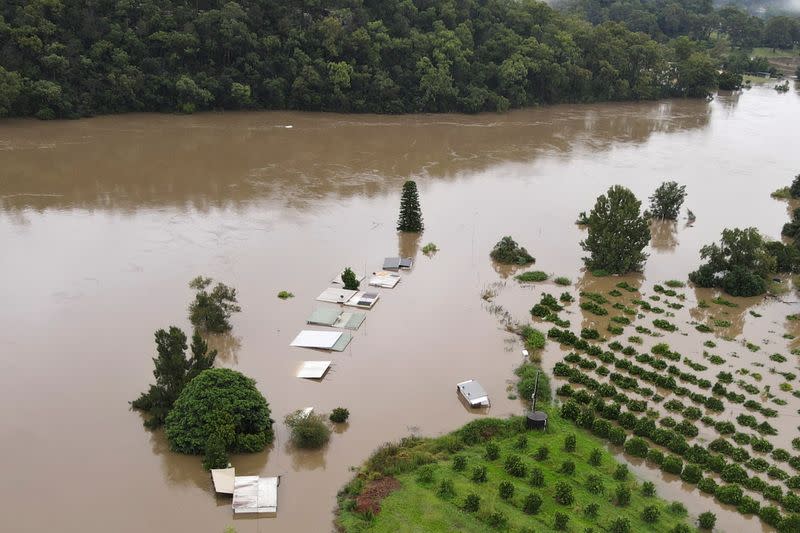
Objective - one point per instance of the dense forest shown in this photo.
(70, 58)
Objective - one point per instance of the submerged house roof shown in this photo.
(336, 295)
(324, 340)
(253, 494)
(396, 263)
(364, 300)
(385, 279)
(223, 479)
(336, 318)
(313, 369)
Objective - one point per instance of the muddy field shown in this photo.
(104, 222)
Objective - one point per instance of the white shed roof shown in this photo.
(316, 339)
(313, 369)
(253, 494)
(336, 295)
(223, 479)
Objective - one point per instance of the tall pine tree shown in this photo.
(410, 219)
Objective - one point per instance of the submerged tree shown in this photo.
(211, 311)
(666, 202)
(507, 251)
(739, 264)
(219, 412)
(618, 232)
(794, 189)
(172, 372)
(410, 219)
(349, 280)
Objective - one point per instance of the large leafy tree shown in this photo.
(739, 263)
(173, 370)
(618, 233)
(219, 412)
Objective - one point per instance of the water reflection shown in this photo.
(408, 244)
(227, 346)
(663, 235)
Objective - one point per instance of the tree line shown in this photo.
(76, 58)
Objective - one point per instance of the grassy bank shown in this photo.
(436, 478)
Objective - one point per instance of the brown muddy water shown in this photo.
(104, 221)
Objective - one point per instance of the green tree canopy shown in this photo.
(508, 252)
(349, 280)
(410, 219)
(219, 412)
(211, 311)
(617, 233)
(739, 264)
(666, 202)
(173, 370)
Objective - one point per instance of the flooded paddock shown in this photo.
(104, 221)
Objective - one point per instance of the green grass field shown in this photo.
(418, 507)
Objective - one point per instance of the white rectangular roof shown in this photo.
(313, 369)
(253, 494)
(364, 300)
(316, 339)
(384, 279)
(223, 479)
(336, 295)
(472, 391)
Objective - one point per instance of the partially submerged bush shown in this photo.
(339, 415)
(211, 311)
(533, 276)
(285, 295)
(507, 251)
(666, 202)
(308, 430)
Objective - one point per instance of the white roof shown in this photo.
(316, 339)
(384, 279)
(313, 369)
(336, 295)
(472, 391)
(223, 479)
(364, 300)
(253, 494)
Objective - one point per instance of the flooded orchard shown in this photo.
(104, 221)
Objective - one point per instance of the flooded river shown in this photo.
(104, 221)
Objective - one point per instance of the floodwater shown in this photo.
(104, 221)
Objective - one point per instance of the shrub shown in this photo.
(563, 494)
(730, 494)
(622, 495)
(636, 447)
(770, 515)
(492, 451)
(707, 485)
(537, 477)
(532, 504)
(594, 484)
(506, 490)
(425, 473)
(621, 472)
(733, 473)
(339, 415)
(655, 456)
(591, 510)
(308, 430)
(595, 457)
(514, 466)
(507, 251)
(430, 249)
(567, 467)
(672, 465)
(563, 281)
(459, 463)
(542, 452)
(446, 489)
(748, 506)
(707, 520)
(285, 295)
(497, 520)
(651, 514)
(569, 443)
(479, 474)
(691, 473)
(620, 525)
(219, 394)
(533, 276)
(560, 522)
(648, 489)
(471, 503)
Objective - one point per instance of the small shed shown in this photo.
(336, 318)
(396, 263)
(313, 369)
(323, 340)
(473, 393)
(364, 300)
(223, 480)
(253, 494)
(385, 279)
(336, 295)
